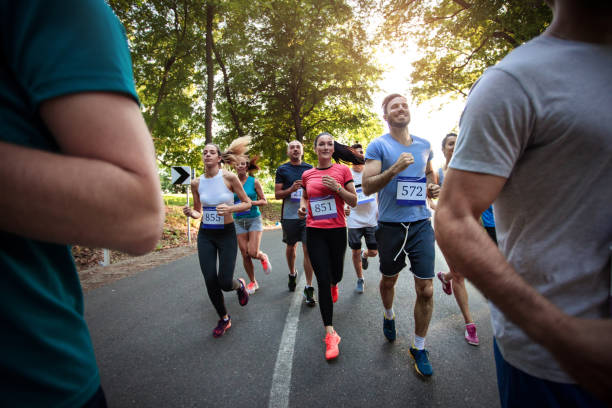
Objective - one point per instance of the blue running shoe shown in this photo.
(360, 284)
(389, 328)
(421, 362)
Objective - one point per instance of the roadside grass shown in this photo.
(174, 232)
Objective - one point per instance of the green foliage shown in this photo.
(167, 53)
(283, 70)
(297, 68)
(460, 38)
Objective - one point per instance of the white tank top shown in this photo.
(213, 191)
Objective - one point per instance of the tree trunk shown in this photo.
(228, 94)
(210, 72)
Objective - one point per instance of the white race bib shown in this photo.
(210, 218)
(323, 207)
(411, 190)
(362, 198)
(296, 195)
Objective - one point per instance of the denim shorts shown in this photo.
(412, 239)
(245, 225)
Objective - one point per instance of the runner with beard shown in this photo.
(398, 167)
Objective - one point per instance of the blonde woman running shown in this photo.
(248, 223)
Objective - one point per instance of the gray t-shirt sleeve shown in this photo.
(495, 126)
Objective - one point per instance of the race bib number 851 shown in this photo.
(323, 207)
(411, 190)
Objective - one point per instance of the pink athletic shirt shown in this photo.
(321, 198)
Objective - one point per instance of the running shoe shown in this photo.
(243, 295)
(252, 287)
(334, 293)
(364, 261)
(309, 295)
(292, 282)
(360, 286)
(389, 328)
(331, 345)
(222, 326)
(470, 334)
(421, 361)
(447, 287)
(266, 265)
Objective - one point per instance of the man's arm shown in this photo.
(281, 194)
(433, 189)
(102, 190)
(471, 253)
(373, 180)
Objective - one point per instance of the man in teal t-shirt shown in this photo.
(72, 140)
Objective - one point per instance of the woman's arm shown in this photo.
(260, 195)
(236, 187)
(197, 205)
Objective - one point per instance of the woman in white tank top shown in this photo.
(213, 202)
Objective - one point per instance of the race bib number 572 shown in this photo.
(411, 190)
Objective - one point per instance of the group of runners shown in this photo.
(383, 199)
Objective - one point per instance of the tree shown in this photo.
(460, 38)
(303, 67)
(165, 39)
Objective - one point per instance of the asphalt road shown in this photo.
(152, 334)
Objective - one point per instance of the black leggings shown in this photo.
(326, 248)
(224, 243)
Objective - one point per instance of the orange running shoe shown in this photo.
(252, 287)
(334, 293)
(331, 345)
(266, 265)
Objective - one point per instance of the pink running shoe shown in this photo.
(222, 326)
(331, 345)
(470, 334)
(243, 295)
(252, 287)
(447, 287)
(266, 265)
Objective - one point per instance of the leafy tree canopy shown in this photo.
(459, 39)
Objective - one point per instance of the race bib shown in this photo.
(362, 198)
(411, 190)
(241, 213)
(210, 218)
(296, 195)
(323, 207)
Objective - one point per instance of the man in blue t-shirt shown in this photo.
(288, 187)
(398, 167)
(72, 141)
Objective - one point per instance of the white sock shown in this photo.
(389, 314)
(419, 342)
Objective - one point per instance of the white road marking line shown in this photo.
(281, 380)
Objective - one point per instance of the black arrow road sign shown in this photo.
(181, 175)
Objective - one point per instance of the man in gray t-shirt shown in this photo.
(536, 138)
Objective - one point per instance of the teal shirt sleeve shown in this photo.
(58, 47)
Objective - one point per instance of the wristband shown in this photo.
(339, 188)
